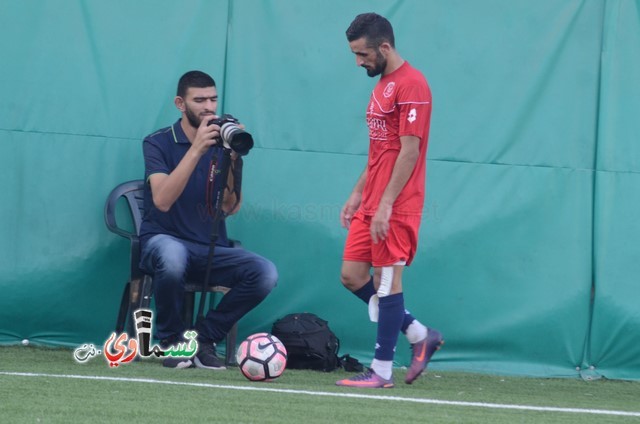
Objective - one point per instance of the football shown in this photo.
(262, 357)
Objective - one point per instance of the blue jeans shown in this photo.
(173, 261)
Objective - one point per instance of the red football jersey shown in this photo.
(400, 105)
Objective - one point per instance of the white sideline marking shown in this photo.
(337, 394)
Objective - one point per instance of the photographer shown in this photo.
(182, 173)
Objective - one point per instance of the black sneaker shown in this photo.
(177, 362)
(207, 357)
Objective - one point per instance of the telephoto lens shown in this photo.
(232, 135)
(238, 140)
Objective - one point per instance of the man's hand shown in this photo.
(380, 222)
(350, 208)
(206, 135)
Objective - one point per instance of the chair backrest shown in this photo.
(133, 192)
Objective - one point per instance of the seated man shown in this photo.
(179, 214)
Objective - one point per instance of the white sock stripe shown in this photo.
(386, 279)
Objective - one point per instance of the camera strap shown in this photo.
(214, 193)
(216, 184)
(236, 172)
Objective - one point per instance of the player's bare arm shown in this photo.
(402, 169)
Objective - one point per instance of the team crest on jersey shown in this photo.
(413, 115)
(388, 90)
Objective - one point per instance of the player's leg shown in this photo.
(356, 277)
(356, 264)
(400, 246)
(424, 341)
(390, 318)
(388, 286)
(413, 329)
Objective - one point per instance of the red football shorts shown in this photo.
(400, 245)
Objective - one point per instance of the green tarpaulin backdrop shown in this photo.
(529, 259)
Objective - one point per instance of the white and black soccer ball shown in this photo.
(262, 357)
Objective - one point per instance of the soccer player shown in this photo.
(384, 210)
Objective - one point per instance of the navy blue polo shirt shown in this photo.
(190, 217)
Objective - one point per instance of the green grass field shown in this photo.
(40, 385)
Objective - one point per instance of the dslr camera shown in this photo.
(233, 137)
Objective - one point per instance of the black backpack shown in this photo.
(309, 341)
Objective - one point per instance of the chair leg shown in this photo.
(124, 308)
(146, 292)
(139, 297)
(230, 354)
(187, 309)
(135, 289)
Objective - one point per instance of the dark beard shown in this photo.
(374, 72)
(192, 118)
(381, 64)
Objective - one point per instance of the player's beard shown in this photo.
(379, 66)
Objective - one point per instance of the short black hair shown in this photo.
(196, 79)
(374, 28)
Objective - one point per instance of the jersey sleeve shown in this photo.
(414, 105)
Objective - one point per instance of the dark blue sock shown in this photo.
(365, 292)
(389, 324)
(406, 322)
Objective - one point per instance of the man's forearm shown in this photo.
(359, 187)
(167, 188)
